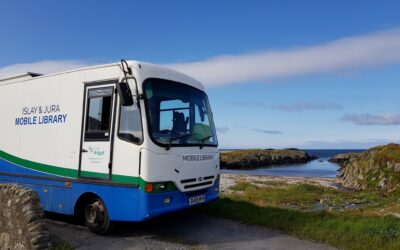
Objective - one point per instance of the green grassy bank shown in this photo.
(345, 219)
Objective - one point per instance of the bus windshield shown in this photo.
(178, 114)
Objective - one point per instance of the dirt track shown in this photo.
(184, 230)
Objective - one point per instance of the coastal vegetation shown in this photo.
(359, 209)
(63, 246)
(255, 158)
(376, 169)
(324, 213)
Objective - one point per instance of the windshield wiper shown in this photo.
(176, 138)
(205, 138)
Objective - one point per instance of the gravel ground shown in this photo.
(184, 230)
(190, 230)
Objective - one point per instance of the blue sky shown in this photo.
(308, 74)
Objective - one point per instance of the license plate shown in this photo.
(197, 200)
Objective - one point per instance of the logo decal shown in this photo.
(197, 157)
(37, 115)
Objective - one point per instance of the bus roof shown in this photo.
(148, 70)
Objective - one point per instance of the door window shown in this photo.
(98, 118)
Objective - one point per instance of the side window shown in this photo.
(130, 124)
(98, 114)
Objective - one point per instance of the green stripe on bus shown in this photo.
(39, 166)
(94, 175)
(66, 172)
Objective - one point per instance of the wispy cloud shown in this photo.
(293, 107)
(222, 130)
(355, 52)
(251, 104)
(300, 106)
(370, 119)
(346, 144)
(266, 131)
(44, 67)
(263, 131)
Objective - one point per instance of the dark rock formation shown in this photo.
(343, 159)
(21, 219)
(255, 158)
(376, 169)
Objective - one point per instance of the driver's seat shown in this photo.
(179, 124)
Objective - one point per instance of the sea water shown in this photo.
(320, 167)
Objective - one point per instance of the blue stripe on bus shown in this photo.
(123, 203)
(6, 166)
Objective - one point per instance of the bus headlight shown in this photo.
(161, 186)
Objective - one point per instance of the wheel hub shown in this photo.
(95, 213)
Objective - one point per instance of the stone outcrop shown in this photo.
(376, 169)
(343, 159)
(22, 224)
(255, 158)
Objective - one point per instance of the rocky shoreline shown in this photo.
(376, 169)
(255, 158)
(229, 180)
(343, 159)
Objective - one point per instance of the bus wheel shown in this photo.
(96, 217)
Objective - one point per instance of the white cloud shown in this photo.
(293, 107)
(355, 52)
(267, 131)
(222, 130)
(44, 67)
(369, 119)
(346, 144)
(374, 49)
(302, 105)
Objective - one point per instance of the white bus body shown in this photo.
(68, 136)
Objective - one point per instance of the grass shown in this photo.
(379, 168)
(231, 155)
(63, 246)
(291, 209)
(305, 196)
(251, 158)
(390, 152)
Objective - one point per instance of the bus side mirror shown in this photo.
(125, 94)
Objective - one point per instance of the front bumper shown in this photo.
(137, 205)
(155, 203)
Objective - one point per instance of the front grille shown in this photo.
(191, 183)
(199, 184)
(188, 180)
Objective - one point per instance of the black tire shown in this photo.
(96, 217)
(22, 224)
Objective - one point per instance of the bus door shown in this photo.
(97, 134)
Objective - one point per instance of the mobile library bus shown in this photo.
(118, 142)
